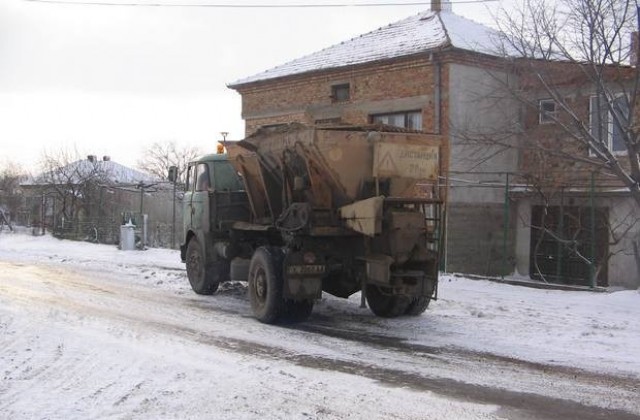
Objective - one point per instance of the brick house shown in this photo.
(430, 72)
(442, 74)
(574, 196)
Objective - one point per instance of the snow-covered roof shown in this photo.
(419, 33)
(107, 171)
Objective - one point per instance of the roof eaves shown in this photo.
(276, 79)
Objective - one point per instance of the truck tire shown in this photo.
(384, 304)
(417, 306)
(265, 284)
(298, 311)
(202, 277)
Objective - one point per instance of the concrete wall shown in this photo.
(624, 217)
(476, 215)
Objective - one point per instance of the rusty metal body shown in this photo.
(363, 201)
(338, 210)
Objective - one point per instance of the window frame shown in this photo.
(608, 126)
(340, 87)
(405, 114)
(547, 117)
(206, 178)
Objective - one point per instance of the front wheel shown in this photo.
(203, 279)
(266, 284)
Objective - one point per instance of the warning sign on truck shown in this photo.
(407, 161)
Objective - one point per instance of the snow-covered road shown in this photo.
(87, 331)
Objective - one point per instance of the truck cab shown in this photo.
(214, 199)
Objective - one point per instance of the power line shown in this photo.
(250, 6)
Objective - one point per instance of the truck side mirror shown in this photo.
(173, 174)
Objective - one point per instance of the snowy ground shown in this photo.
(90, 331)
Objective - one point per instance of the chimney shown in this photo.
(440, 5)
(635, 49)
(106, 158)
(91, 158)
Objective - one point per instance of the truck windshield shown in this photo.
(226, 178)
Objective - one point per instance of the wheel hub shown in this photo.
(261, 286)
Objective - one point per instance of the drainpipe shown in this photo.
(437, 105)
(437, 94)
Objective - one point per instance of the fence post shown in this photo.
(505, 230)
(173, 220)
(592, 265)
(559, 247)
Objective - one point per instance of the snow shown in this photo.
(87, 330)
(421, 33)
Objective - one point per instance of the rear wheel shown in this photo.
(265, 284)
(385, 304)
(203, 278)
(417, 306)
(298, 311)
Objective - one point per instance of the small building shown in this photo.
(89, 199)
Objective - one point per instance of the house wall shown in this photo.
(478, 213)
(402, 85)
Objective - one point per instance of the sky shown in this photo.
(113, 79)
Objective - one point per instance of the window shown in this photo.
(340, 93)
(190, 177)
(408, 119)
(202, 177)
(604, 126)
(547, 111)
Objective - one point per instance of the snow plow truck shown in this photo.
(296, 211)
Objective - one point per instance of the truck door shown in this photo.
(200, 198)
(186, 201)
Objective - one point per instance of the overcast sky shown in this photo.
(111, 80)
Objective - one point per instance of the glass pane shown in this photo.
(414, 120)
(598, 118)
(340, 93)
(225, 177)
(380, 119)
(547, 110)
(397, 120)
(621, 108)
(202, 178)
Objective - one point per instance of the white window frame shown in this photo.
(547, 117)
(609, 127)
(404, 114)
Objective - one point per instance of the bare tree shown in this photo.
(160, 156)
(10, 197)
(575, 55)
(570, 68)
(72, 182)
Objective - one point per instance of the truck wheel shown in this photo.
(384, 304)
(298, 311)
(265, 284)
(417, 306)
(203, 279)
